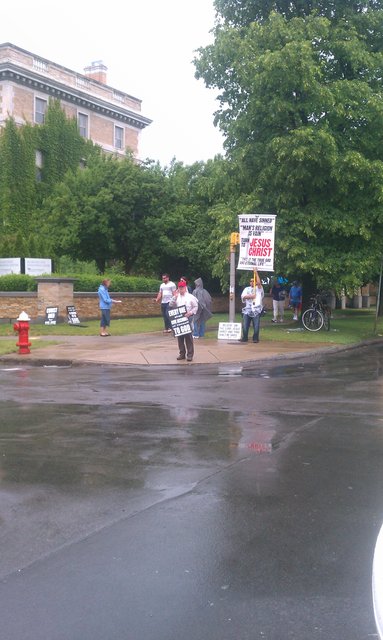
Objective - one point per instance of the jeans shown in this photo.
(247, 321)
(164, 311)
(199, 328)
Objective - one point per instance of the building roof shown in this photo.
(27, 69)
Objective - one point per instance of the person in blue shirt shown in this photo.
(295, 299)
(105, 303)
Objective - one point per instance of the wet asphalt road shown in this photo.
(205, 503)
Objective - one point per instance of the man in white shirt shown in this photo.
(251, 313)
(182, 298)
(164, 296)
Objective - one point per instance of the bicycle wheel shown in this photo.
(312, 320)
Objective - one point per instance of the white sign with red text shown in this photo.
(256, 241)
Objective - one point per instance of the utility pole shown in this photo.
(234, 240)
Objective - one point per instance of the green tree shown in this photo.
(17, 178)
(100, 212)
(302, 114)
(240, 13)
(185, 230)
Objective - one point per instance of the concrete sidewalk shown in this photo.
(156, 349)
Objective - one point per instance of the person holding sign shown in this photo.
(105, 303)
(189, 304)
(251, 313)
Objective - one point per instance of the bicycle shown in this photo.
(317, 315)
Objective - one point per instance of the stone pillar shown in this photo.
(54, 292)
(366, 302)
(357, 299)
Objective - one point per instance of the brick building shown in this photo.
(109, 117)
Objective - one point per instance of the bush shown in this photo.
(83, 282)
(121, 284)
(17, 282)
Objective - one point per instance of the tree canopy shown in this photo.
(302, 113)
(240, 13)
(99, 212)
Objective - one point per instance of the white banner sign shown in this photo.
(10, 265)
(38, 266)
(229, 330)
(256, 242)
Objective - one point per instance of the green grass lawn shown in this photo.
(348, 326)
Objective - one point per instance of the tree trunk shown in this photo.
(309, 288)
(100, 264)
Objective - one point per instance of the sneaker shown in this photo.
(295, 318)
(281, 320)
(243, 340)
(180, 357)
(189, 359)
(195, 337)
(273, 320)
(168, 330)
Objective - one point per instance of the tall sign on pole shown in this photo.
(256, 239)
(257, 242)
(234, 240)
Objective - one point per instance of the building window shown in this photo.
(40, 65)
(118, 96)
(38, 164)
(118, 137)
(82, 82)
(40, 109)
(82, 120)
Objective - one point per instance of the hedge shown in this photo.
(83, 282)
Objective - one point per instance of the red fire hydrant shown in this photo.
(22, 327)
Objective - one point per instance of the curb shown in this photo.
(16, 359)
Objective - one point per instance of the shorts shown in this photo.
(105, 318)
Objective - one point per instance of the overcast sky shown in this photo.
(148, 47)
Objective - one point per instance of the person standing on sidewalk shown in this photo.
(252, 296)
(278, 293)
(167, 289)
(182, 298)
(105, 303)
(204, 308)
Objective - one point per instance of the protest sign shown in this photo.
(51, 314)
(72, 315)
(180, 325)
(229, 331)
(256, 242)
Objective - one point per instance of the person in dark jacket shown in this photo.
(204, 308)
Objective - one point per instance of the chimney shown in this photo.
(96, 71)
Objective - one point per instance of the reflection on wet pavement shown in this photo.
(83, 447)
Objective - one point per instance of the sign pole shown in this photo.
(234, 240)
(378, 296)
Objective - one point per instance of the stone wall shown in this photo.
(11, 304)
